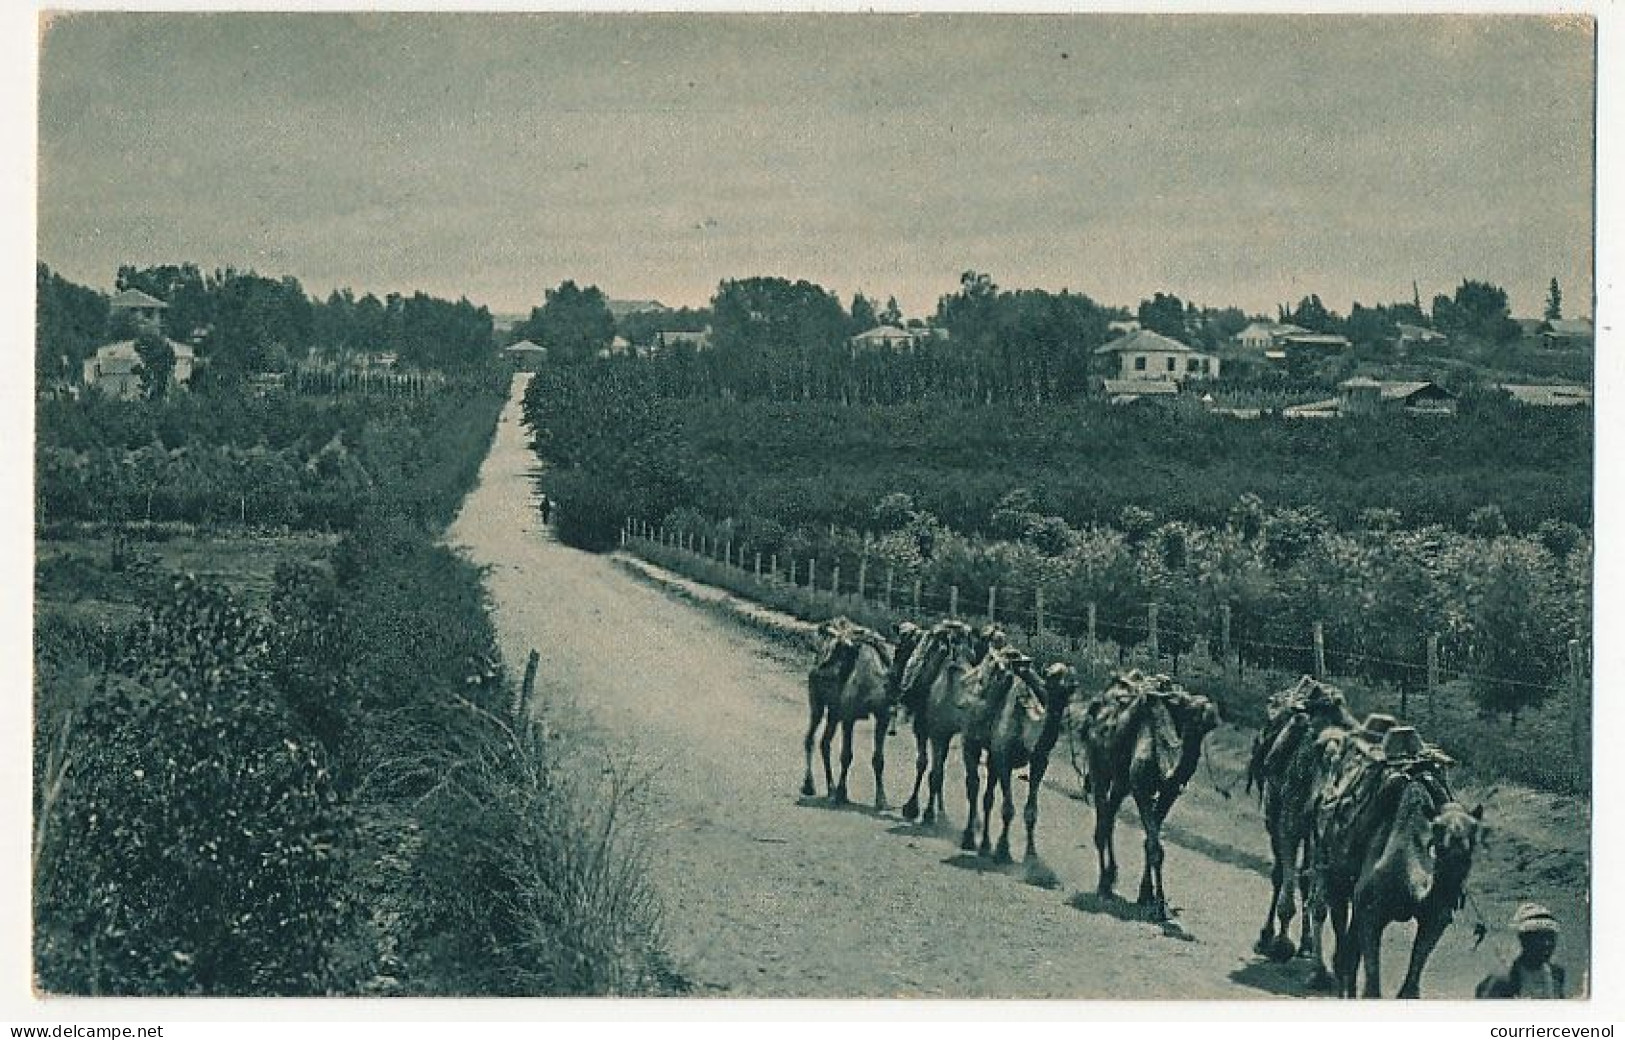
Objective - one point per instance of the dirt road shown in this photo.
(771, 894)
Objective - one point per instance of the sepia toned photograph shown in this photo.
(817, 506)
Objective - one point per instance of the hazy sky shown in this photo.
(1245, 160)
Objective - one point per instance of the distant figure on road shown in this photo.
(546, 505)
(1532, 975)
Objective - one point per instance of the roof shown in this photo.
(1549, 396)
(1400, 391)
(1316, 339)
(1417, 332)
(1570, 327)
(887, 333)
(1144, 339)
(1140, 387)
(524, 346)
(1312, 410)
(132, 298)
(1358, 382)
(124, 349)
(1268, 328)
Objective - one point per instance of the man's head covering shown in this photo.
(1532, 917)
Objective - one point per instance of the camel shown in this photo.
(1025, 730)
(1142, 736)
(1284, 768)
(1390, 844)
(952, 685)
(949, 645)
(848, 683)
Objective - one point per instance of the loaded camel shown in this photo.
(1284, 767)
(927, 689)
(1390, 843)
(1141, 736)
(1025, 730)
(848, 682)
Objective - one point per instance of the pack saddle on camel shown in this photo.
(1389, 843)
(1143, 736)
(1025, 730)
(848, 683)
(1284, 767)
(928, 690)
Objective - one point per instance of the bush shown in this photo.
(587, 514)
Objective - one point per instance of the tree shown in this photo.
(893, 314)
(863, 314)
(1554, 302)
(1478, 309)
(157, 365)
(70, 321)
(1164, 315)
(574, 324)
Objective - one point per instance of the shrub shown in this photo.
(588, 513)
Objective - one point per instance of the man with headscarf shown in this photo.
(1532, 975)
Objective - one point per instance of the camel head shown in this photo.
(1061, 680)
(989, 637)
(946, 643)
(1457, 832)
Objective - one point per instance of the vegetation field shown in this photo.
(245, 728)
(1418, 553)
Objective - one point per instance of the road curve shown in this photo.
(769, 894)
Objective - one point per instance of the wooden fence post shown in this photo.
(917, 590)
(773, 567)
(1320, 651)
(1091, 629)
(728, 553)
(1151, 633)
(953, 601)
(835, 581)
(758, 566)
(889, 578)
(1577, 705)
(992, 603)
(863, 575)
(1433, 675)
(528, 687)
(1038, 611)
(792, 570)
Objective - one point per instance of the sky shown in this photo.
(1241, 160)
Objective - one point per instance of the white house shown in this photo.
(1265, 335)
(887, 337)
(114, 370)
(692, 340)
(525, 355)
(147, 311)
(1146, 355)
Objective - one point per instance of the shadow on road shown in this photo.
(823, 802)
(1114, 905)
(1288, 979)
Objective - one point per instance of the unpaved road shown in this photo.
(770, 894)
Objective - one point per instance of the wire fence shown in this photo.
(1151, 637)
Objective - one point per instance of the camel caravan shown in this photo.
(1361, 822)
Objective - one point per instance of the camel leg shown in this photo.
(1368, 934)
(1029, 815)
(1266, 935)
(882, 726)
(1346, 956)
(1007, 812)
(1429, 929)
(823, 747)
(1315, 910)
(1151, 876)
(987, 810)
(1106, 806)
(973, 782)
(933, 795)
(817, 712)
(847, 726)
(911, 808)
